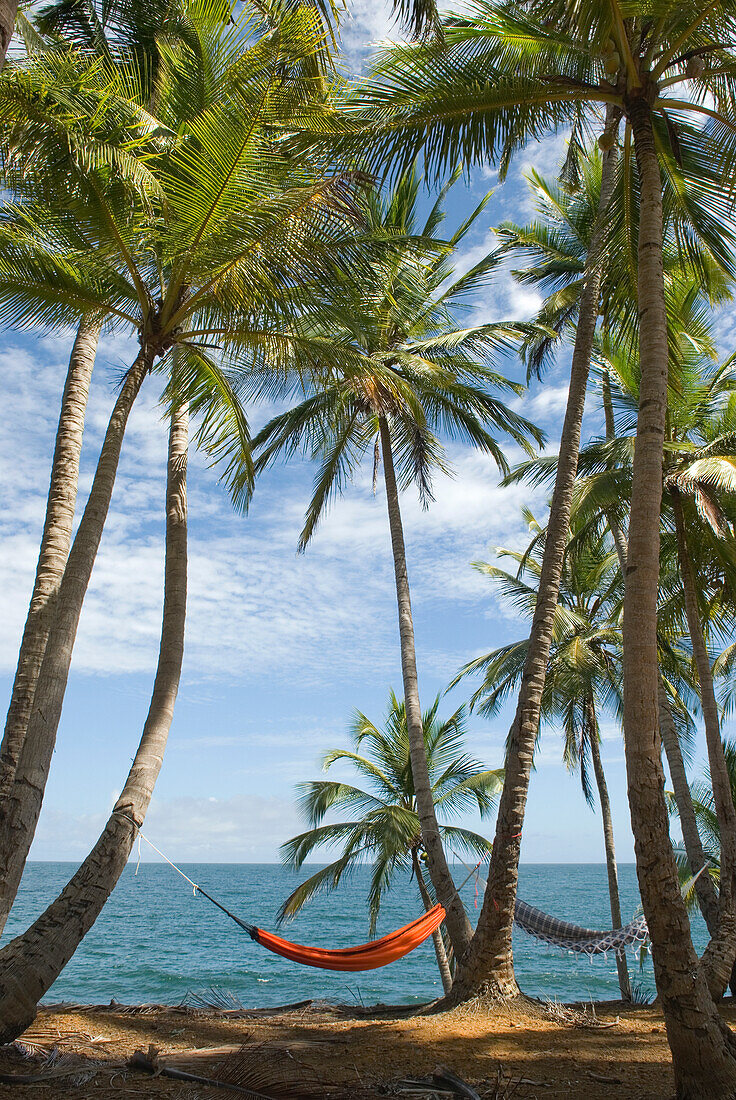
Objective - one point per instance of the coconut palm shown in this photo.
(54, 549)
(553, 248)
(132, 28)
(227, 241)
(584, 666)
(509, 73)
(32, 962)
(387, 830)
(416, 372)
(698, 480)
(704, 807)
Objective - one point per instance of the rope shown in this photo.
(167, 860)
(249, 928)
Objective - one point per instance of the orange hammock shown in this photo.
(368, 956)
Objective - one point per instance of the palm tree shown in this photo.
(415, 372)
(54, 549)
(32, 962)
(699, 475)
(704, 808)
(223, 239)
(584, 666)
(388, 830)
(508, 73)
(554, 247)
(132, 29)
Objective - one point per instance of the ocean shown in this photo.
(156, 942)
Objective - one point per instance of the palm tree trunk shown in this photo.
(608, 842)
(701, 1046)
(458, 925)
(439, 945)
(488, 967)
(19, 814)
(718, 958)
(704, 888)
(8, 12)
(54, 550)
(33, 961)
(619, 539)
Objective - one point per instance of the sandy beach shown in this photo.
(524, 1050)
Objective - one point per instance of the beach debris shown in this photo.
(443, 1082)
(153, 1064)
(53, 1065)
(215, 998)
(572, 1016)
(255, 1069)
(606, 1080)
(445, 1077)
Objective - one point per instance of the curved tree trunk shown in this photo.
(719, 955)
(439, 946)
(608, 842)
(54, 550)
(701, 1045)
(33, 961)
(488, 967)
(19, 814)
(704, 888)
(458, 925)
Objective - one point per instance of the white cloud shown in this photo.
(195, 830)
(255, 606)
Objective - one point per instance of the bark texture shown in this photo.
(19, 813)
(719, 955)
(8, 12)
(701, 1045)
(612, 870)
(439, 945)
(619, 538)
(33, 961)
(488, 966)
(458, 925)
(54, 550)
(704, 888)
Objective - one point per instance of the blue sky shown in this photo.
(280, 647)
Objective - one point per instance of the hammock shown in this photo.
(367, 956)
(573, 937)
(370, 956)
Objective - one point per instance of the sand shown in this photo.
(523, 1050)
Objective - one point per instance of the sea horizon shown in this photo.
(156, 942)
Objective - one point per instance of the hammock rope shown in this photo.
(366, 956)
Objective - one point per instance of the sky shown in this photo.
(281, 647)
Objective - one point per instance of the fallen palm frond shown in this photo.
(214, 998)
(571, 1016)
(257, 1069)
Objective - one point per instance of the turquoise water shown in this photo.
(155, 942)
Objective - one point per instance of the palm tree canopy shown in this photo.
(508, 73)
(555, 246)
(386, 829)
(412, 364)
(190, 227)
